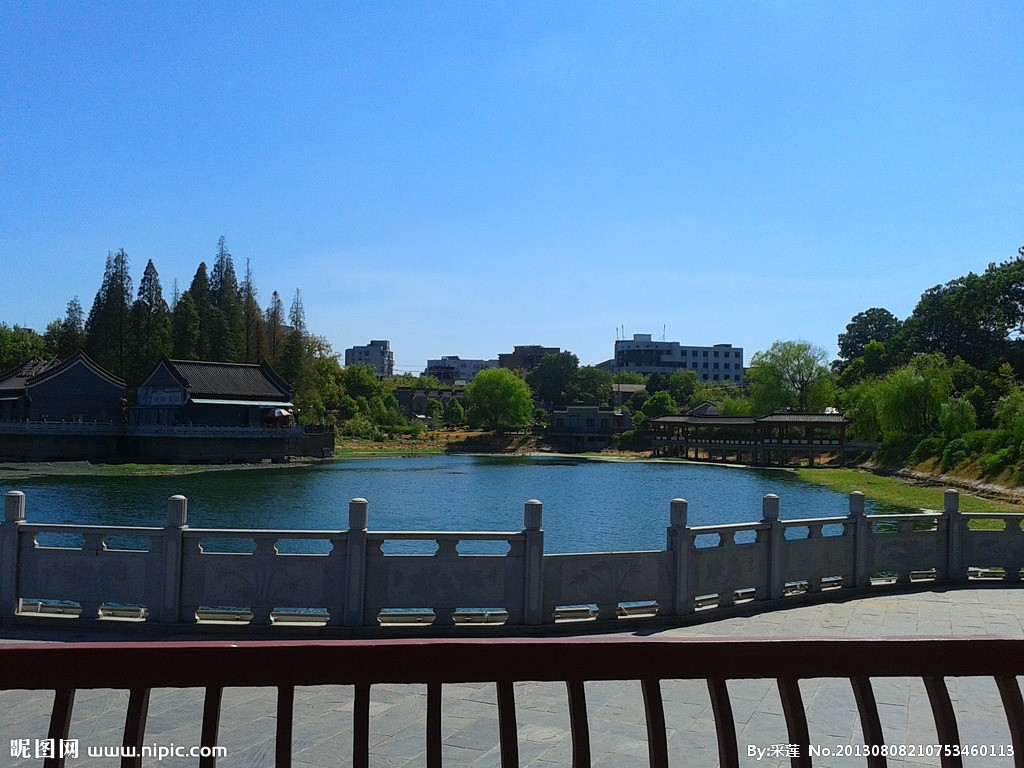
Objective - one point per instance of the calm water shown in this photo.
(588, 505)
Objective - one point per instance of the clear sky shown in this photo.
(460, 178)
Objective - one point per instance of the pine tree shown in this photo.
(186, 329)
(203, 303)
(228, 341)
(294, 358)
(252, 316)
(65, 337)
(107, 328)
(151, 325)
(275, 328)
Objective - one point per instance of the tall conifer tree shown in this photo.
(107, 328)
(228, 341)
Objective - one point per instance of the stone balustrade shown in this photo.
(367, 579)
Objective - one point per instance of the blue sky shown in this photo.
(463, 177)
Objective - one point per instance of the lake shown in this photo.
(588, 505)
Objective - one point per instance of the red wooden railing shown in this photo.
(139, 667)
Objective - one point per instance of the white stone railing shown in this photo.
(171, 575)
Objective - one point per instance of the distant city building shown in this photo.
(721, 362)
(452, 368)
(377, 353)
(525, 358)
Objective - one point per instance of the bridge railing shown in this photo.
(370, 579)
(138, 668)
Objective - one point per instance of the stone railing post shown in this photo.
(169, 609)
(776, 534)
(861, 540)
(678, 543)
(533, 563)
(956, 530)
(355, 563)
(10, 529)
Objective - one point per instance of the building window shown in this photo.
(705, 353)
(727, 366)
(705, 365)
(726, 353)
(716, 353)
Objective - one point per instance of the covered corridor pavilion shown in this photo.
(774, 440)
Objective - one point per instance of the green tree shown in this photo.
(790, 374)
(962, 318)
(454, 413)
(252, 319)
(199, 290)
(871, 325)
(274, 327)
(957, 418)
(186, 331)
(499, 400)
(660, 404)
(630, 377)
(17, 346)
(682, 385)
(151, 326)
(360, 381)
(909, 399)
(434, 410)
(294, 357)
(107, 329)
(590, 386)
(228, 342)
(554, 377)
(65, 337)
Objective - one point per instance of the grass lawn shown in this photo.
(892, 490)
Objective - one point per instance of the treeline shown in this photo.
(217, 318)
(943, 387)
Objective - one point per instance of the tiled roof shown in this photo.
(235, 380)
(15, 378)
(804, 418)
(78, 357)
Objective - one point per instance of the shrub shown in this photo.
(954, 454)
(994, 463)
(896, 448)
(928, 448)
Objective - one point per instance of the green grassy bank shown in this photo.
(893, 490)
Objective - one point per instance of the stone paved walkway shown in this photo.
(618, 739)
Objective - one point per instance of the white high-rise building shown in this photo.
(641, 354)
